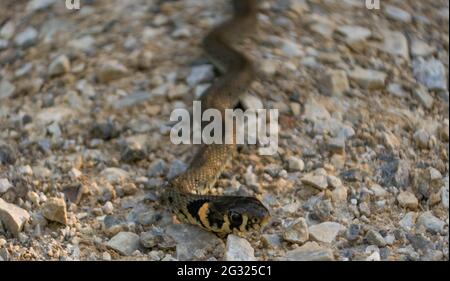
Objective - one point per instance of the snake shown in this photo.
(219, 214)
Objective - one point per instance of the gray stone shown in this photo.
(26, 38)
(396, 90)
(13, 217)
(251, 102)
(297, 232)
(6, 89)
(336, 145)
(111, 70)
(315, 111)
(271, 240)
(126, 243)
(177, 167)
(325, 232)
(375, 238)
(54, 209)
(238, 249)
(378, 191)
(430, 222)
(84, 44)
(3, 44)
(295, 164)
(156, 237)
(421, 138)
(444, 195)
(408, 200)
(114, 175)
(395, 13)
(7, 30)
(37, 5)
(112, 226)
(315, 180)
(291, 49)
(104, 130)
(200, 74)
(59, 65)
(422, 95)
(133, 151)
(334, 82)
(368, 79)
(408, 221)
(157, 168)
(310, 251)
(194, 243)
(430, 73)
(353, 232)
(4, 185)
(395, 43)
(354, 33)
(132, 99)
(421, 49)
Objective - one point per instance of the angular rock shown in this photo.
(126, 243)
(316, 180)
(59, 65)
(422, 95)
(354, 33)
(291, 49)
(295, 164)
(193, 243)
(395, 13)
(311, 251)
(271, 240)
(368, 79)
(26, 38)
(395, 43)
(375, 238)
(111, 70)
(421, 138)
(297, 232)
(38, 5)
(315, 111)
(114, 175)
(6, 89)
(176, 168)
(444, 196)
(4, 185)
(430, 222)
(408, 221)
(325, 232)
(238, 249)
(13, 217)
(200, 74)
(54, 209)
(408, 200)
(421, 49)
(430, 73)
(334, 82)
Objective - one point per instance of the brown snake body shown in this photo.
(220, 214)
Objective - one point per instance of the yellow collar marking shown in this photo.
(203, 214)
(244, 223)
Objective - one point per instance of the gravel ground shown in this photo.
(85, 99)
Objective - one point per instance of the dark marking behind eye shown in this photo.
(193, 208)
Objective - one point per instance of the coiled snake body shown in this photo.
(220, 214)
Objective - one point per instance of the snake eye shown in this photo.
(235, 218)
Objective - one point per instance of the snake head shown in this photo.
(246, 213)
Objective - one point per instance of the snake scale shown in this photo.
(220, 214)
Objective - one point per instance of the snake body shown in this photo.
(220, 214)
